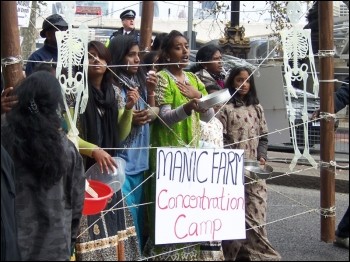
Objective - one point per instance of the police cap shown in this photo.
(128, 13)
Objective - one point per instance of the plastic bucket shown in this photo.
(93, 206)
(114, 179)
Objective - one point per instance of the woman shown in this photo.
(244, 127)
(111, 234)
(149, 59)
(209, 73)
(49, 171)
(125, 52)
(87, 149)
(158, 40)
(177, 94)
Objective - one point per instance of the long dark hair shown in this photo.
(158, 40)
(204, 54)
(103, 53)
(31, 134)
(251, 98)
(119, 47)
(167, 44)
(149, 59)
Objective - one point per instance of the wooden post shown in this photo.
(146, 26)
(11, 61)
(327, 172)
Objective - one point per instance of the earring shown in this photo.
(168, 59)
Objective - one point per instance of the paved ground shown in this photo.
(304, 175)
(294, 229)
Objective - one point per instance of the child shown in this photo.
(243, 122)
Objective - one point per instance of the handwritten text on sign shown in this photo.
(200, 195)
(23, 13)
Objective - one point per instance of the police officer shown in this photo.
(128, 28)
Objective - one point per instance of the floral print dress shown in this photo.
(242, 126)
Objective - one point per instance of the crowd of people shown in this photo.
(130, 107)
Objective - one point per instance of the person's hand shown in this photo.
(140, 117)
(8, 101)
(262, 161)
(104, 160)
(188, 90)
(131, 98)
(315, 114)
(151, 81)
(193, 105)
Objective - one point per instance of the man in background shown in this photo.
(49, 51)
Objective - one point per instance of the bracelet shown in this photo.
(151, 95)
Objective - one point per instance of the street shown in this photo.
(295, 232)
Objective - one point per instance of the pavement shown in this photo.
(304, 175)
(295, 230)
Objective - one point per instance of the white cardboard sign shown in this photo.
(23, 13)
(199, 195)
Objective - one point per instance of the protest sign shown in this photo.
(199, 195)
(23, 13)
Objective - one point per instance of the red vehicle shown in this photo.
(88, 10)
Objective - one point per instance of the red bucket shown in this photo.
(93, 206)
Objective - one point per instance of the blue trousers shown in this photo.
(135, 199)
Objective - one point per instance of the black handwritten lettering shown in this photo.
(225, 165)
(199, 157)
(189, 166)
(180, 165)
(176, 171)
(234, 158)
(23, 3)
(162, 161)
(183, 166)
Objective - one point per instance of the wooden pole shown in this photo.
(146, 26)
(11, 61)
(327, 172)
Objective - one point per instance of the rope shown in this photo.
(11, 60)
(325, 53)
(328, 212)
